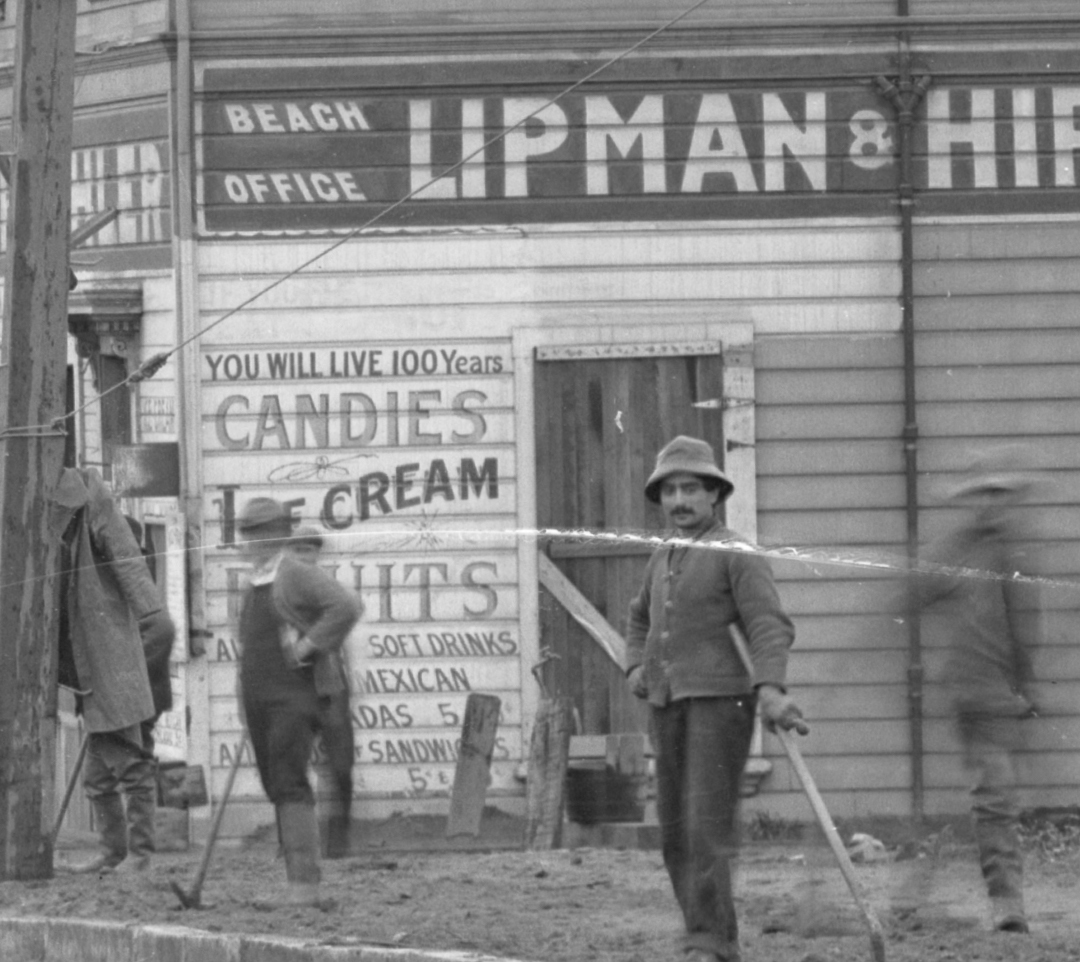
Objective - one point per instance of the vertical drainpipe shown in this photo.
(905, 96)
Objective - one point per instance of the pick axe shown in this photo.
(877, 934)
(192, 899)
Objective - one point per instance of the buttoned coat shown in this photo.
(678, 624)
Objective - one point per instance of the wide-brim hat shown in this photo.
(263, 514)
(998, 469)
(686, 455)
(308, 534)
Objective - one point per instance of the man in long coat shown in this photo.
(115, 640)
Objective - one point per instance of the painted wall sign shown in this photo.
(132, 178)
(403, 457)
(684, 149)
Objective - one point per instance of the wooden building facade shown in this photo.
(444, 283)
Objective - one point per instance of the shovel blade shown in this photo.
(186, 901)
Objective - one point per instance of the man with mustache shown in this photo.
(682, 659)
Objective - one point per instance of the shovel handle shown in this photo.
(66, 801)
(877, 934)
(204, 864)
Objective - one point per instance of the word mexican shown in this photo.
(367, 362)
(391, 681)
(351, 422)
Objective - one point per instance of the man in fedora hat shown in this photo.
(682, 659)
(293, 621)
(991, 614)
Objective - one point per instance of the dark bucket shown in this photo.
(599, 793)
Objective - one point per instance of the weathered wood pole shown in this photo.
(32, 374)
(549, 755)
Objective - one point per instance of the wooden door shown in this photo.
(599, 424)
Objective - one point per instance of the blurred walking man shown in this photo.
(991, 618)
(682, 660)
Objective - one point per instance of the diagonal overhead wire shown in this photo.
(155, 363)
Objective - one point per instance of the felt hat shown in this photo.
(263, 514)
(997, 469)
(689, 455)
(308, 534)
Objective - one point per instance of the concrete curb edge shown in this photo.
(42, 939)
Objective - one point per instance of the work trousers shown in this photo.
(989, 742)
(701, 746)
(119, 767)
(282, 735)
(338, 743)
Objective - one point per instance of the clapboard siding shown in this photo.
(99, 21)
(549, 277)
(493, 14)
(536, 14)
(999, 362)
(850, 632)
(1015, 348)
(783, 458)
(839, 491)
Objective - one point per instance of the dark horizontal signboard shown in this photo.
(333, 158)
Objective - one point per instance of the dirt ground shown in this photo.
(599, 905)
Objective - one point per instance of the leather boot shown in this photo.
(338, 827)
(109, 816)
(140, 830)
(1008, 914)
(337, 836)
(300, 839)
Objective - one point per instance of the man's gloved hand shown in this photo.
(779, 709)
(636, 680)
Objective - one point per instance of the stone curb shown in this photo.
(79, 940)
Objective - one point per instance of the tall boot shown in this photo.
(338, 827)
(300, 836)
(109, 817)
(140, 828)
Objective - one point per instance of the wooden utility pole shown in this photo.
(32, 378)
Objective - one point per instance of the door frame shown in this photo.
(734, 340)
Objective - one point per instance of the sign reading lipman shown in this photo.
(287, 156)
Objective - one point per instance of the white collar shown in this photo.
(265, 573)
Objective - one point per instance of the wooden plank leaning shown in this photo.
(473, 772)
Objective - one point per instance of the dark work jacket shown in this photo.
(107, 594)
(678, 626)
(991, 613)
(319, 608)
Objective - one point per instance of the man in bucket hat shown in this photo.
(992, 616)
(293, 620)
(681, 658)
